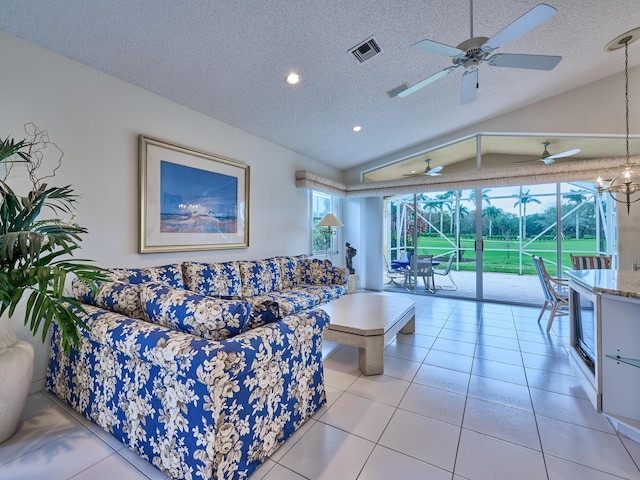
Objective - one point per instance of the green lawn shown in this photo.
(502, 255)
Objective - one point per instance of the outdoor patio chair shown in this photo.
(556, 295)
(421, 266)
(393, 272)
(590, 262)
(446, 271)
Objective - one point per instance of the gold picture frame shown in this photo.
(191, 200)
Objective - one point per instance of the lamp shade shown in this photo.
(329, 220)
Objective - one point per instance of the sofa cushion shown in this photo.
(293, 270)
(207, 317)
(292, 300)
(167, 274)
(213, 279)
(123, 298)
(317, 272)
(338, 276)
(325, 293)
(260, 277)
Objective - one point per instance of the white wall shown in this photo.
(363, 230)
(96, 119)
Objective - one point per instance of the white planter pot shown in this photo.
(16, 373)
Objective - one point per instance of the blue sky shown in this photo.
(187, 185)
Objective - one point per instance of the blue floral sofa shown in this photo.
(275, 287)
(195, 384)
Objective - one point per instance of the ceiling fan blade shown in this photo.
(568, 153)
(469, 87)
(527, 161)
(426, 81)
(549, 159)
(431, 174)
(516, 60)
(526, 22)
(439, 48)
(435, 170)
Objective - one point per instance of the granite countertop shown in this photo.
(622, 283)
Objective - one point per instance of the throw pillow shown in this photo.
(317, 271)
(293, 270)
(167, 274)
(207, 317)
(260, 277)
(213, 279)
(123, 298)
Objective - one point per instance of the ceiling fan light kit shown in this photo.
(624, 188)
(471, 53)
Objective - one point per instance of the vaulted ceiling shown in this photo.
(229, 59)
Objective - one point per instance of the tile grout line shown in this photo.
(464, 410)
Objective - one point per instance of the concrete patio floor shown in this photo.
(498, 287)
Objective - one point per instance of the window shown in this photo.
(321, 204)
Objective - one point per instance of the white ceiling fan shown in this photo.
(432, 172)
(547, 158)
(477, 50)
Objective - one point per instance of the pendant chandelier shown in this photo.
(624, 188)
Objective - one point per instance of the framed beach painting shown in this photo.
(191, 200)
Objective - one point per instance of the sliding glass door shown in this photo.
(518, 222)
(493, 233)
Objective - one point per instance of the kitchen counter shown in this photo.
(604, 310)
(621, 283)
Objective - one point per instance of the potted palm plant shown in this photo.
(35, 262)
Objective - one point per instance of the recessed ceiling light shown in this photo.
(357, 128)
(293, 78)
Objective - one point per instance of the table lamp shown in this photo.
(329, 220)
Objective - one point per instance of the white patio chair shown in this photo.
(421, 266)
(555, 291)
(446, 272)
(393, 272)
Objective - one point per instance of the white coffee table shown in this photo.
(369, 321)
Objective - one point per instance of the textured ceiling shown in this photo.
(228, 60)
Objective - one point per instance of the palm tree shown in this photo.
(462, 212)
(485, 196)
(576, 198)
(446, 204)
(525, 199)
(426, 204)
(440, 205)
(491, 213)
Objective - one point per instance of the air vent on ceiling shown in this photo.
(366, 50)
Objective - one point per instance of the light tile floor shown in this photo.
(480, 391)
